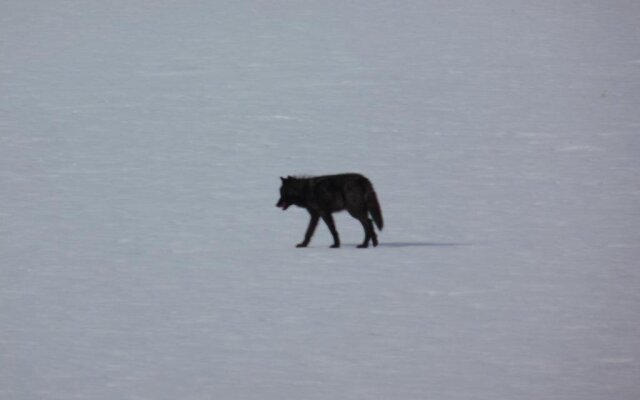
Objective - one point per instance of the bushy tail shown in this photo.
(374, 207)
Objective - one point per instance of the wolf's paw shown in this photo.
(300, 245)
(335, 246)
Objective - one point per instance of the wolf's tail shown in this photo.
(373, 206)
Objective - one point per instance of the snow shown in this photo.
(142, 255)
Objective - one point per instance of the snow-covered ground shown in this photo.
(142, 257)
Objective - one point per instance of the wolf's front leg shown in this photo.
(313, 222)
(328, 219)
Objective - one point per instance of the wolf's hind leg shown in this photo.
(372, 232)
(369, 233)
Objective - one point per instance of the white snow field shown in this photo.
(142, 255)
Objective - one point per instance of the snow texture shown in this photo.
(142, 255)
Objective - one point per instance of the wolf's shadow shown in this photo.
(417, 244)
(421, 244)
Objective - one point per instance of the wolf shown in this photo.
(323, 195)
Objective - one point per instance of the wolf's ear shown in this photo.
(282, 179)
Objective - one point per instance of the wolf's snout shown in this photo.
(282, 204)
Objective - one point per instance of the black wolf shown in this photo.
(324, 195)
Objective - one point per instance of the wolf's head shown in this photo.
(291, 192)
